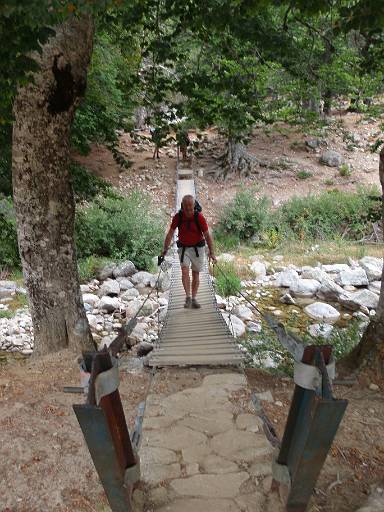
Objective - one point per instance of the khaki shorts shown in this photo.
(190, 258)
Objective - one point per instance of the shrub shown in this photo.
(303, 175)
(330, 215)
(245, 216)
(9, 252)
(89, 267)
(345, 170)
(227, 281)
(120, 228)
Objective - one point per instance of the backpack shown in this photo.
(197, 209)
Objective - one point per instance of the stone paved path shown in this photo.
(203, 448)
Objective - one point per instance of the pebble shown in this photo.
(374, 387)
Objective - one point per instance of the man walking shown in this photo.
(192, 236)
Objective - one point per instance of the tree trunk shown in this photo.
(43, 196)
(237, 160)
(370, 350)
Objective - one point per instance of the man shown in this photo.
(193, 233)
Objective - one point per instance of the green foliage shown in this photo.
(328, 216)
(89, 267)
(6, 314)
(120, 228)
(245, 216)
(227, 282)
(105, 106)
(303, 175)
(345, 170)
(9, 252)
(86, 186)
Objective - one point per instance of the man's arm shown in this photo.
(168, 240)
(209, 241)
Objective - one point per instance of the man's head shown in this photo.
(188, 205)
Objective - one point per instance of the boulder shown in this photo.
(373, 267)
(329, 290)
(124, 269)
(313, 143)
(287, 278)
(361, 298)
(138, 334)
(144, 348)
(287, 299)
(93, 321)
(243, 312)
(320, 330)
(314, 273)
(124, 283)
(254, 327)
(144, 279)
(132, 308)
(352, 277)
(259, 269)
(235, 324)
(323, 312)
(84, 288)
(164, 283)
(106, 271)
(130, 294)
(90, 298)
(375, 286)
(221, 303)
(304, 287)
(110, 287)
(335, 268)
(331, 158)
(109, 304)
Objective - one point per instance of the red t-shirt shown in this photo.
(189, 233)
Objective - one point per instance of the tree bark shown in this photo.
(370, 351)
(43, 196)
(237, 160)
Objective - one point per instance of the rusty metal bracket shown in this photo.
(312, 423)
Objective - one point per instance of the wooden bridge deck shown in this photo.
(192, 337)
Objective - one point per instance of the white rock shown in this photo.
(375, 286)
(90, 298)
(109, 304)
(124, 269)
(125, 283)
(352, 277)
(235, 324)
(323, 330)
(287, 299)
(164, 283)
(163, 301)
(138, 333)
(287, 278)
(331, 158)
(144, 278)
(373, 267)
(110, 287)
(304, 287)
(107, 271)
(85, 288)
(335, 268)
(323, 312)
(7, 289)
(93, 321)
(255, 327)
(354, 300)
(314, 273)
(130, 294)
(259, 269)
(133, 307)
(329, 290)
(243, 312)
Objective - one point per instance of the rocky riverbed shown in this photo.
(319, 297)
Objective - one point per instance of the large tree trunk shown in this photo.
(237, 160)
(370, 351)
(43, 196)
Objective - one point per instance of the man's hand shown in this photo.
(212, 257)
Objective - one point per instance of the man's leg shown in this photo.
(195, 287)
(186, 280)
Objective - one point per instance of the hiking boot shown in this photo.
(188, 302)
(195, 304)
